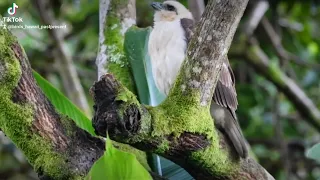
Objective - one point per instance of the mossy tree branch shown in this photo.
(181, 128)
(153, 130)
(211, 42)
(52, 143)
(115, 17)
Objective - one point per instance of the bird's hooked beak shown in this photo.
(157, 6)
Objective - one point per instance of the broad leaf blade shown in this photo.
(172, 171)
(63, 105)
(314, 152)
(116, 164)
(134, 47)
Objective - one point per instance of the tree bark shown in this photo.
(52, 143)
(115, 18)
(214, 34)
(181, 128)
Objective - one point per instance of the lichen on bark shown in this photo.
(117, 63)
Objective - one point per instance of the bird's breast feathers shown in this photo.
(167, 46)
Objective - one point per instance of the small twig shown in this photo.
(258, 11)
(101, 61)
(70, 78)
(258, 59)
(280, 50)
(282, 144)
(197, 8)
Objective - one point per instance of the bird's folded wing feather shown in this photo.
(225, 93)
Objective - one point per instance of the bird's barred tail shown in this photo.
(234, 133)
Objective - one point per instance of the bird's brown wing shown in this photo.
(187, 25)
(225, 93)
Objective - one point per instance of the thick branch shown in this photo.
(101, 61)
(118, 111)
(52, 143)
(115, 18)
(211, 42)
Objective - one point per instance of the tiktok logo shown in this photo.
(12, 10)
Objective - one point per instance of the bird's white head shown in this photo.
(170, 11)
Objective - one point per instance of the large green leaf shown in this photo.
(117, 165)
(314, 152)
(135, 46)
(63, 105)
(172, 171)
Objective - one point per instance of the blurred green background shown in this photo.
(278, 133)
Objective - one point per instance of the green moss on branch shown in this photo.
(118, 65)
(117, 61)
(170, 120)
(16, 119)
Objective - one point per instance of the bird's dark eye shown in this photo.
(170, 8)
